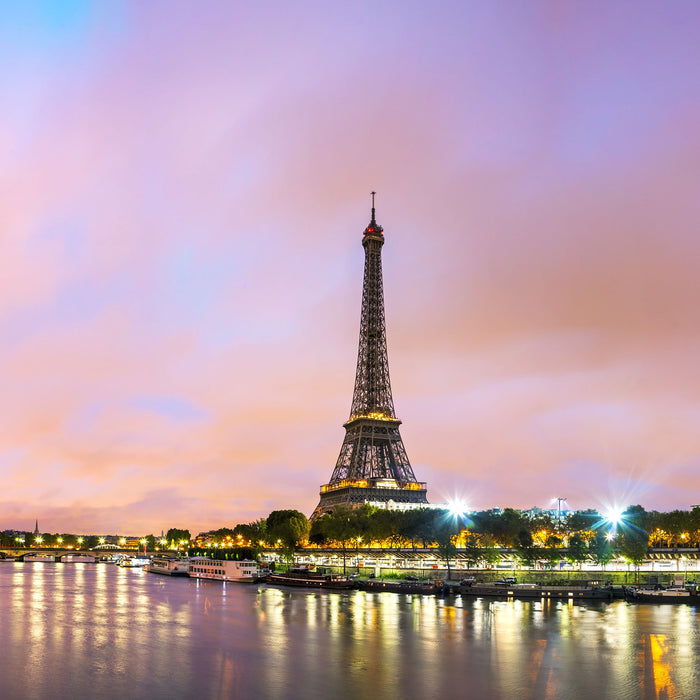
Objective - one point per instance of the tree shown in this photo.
(446, 528)
(601, 548)
(525, 550)
(577, 550)
(472, 551)
(415, 524)
(385, 526)
(632, 536)
(503, 527)
(150, 541)
(288, 528)
(340, 526)
(253, 533)
(175, 537)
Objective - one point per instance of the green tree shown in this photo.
(633, 537)
(580, 522)
(175, 536)
(503, 527)
(288, 528)
(524, 548)
(446, 528)
(577, 550)
(253, 533)
(601, 548)
(472, 550)
(340, 527)
(150, 542)
(385, 526)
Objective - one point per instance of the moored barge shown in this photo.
(534, 591)
(673, 595)
(168, 566)
(422, 587)
(303, 577)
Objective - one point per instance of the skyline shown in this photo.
(185, 194)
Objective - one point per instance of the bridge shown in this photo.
(10, 552)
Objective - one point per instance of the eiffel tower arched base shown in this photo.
(414, 495)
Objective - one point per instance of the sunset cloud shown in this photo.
(184, 195)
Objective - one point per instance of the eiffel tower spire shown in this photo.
(373, 466)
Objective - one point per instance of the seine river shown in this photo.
(99, 631)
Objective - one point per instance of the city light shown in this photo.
(457, 508)
(614, 516)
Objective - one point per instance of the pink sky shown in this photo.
(184, 191)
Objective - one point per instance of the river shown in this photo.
(98, 631)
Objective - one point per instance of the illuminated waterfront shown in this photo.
(98, 631)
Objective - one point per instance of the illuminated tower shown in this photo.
(372, 466)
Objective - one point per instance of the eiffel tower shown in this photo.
(373, 466)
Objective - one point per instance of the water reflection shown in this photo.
(98, 631)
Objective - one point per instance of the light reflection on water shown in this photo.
(98, 631)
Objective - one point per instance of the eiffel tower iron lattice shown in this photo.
(373, 466)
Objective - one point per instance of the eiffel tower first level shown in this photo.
(373, 466)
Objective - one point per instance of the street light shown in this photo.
(559, 502)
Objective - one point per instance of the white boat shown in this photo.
(244, 570)
(39, 557)
(133, 562)
(78, 558)
(169, 566)
(673, 594)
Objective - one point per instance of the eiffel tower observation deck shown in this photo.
(373, 466)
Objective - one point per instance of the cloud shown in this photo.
(181, 258)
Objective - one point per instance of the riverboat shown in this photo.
(239, 571)
(168, 566)
(536, 591)
(422, 587)
(78, 558)
(39, 558)
(133, 562)
(304, 577)
(672, 595)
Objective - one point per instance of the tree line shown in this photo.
(479, 536)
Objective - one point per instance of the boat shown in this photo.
(535, 591)
(305, 577)
(133, 562)
(426, 587)
(658, 594)
(39, 557)
(78, 558)
(168, 566)
(237, 570)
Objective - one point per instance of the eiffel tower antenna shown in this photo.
(373, 466)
